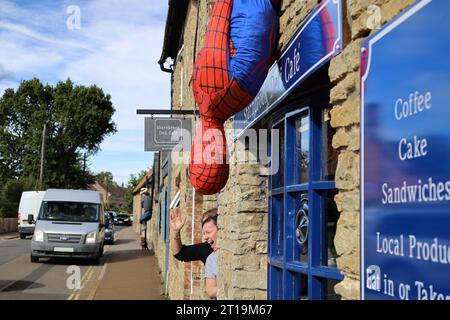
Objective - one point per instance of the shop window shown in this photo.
(277, 222)
(302, 148)
(275, 287)
(331, 216)
(329, 154)
(302, 212)
(278, 149)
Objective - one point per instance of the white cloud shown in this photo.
(125, 63)
(117, 48)
(24, 60)
(39, 37)
(5, 74)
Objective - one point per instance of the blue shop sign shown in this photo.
(316, 42)
(405, 157)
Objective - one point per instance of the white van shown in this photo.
(30, 203)
(71, 223)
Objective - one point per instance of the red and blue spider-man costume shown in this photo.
(228, 73)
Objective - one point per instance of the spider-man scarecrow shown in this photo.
(231, 68)
(228, 73)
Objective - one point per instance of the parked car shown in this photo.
(71, 223)
(29, 205)
(110, 215)
(122, 218)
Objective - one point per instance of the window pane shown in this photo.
(277, 157)
(301, 228)
(331, 216)
(329, 155)
(292, 285)
(276, 223)
(276, 283)
(303, 287)
(302, 148)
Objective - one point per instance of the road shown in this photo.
(50, 278)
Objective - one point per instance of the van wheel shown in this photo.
(22, 236)
(34, 259)
(96, 261)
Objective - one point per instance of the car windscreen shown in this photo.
(70, 211)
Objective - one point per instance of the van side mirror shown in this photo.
(30, 219)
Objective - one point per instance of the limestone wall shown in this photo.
(186, 279)
(243, 229)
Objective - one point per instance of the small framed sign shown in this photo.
(167, 133)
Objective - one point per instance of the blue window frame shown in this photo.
(302, 212)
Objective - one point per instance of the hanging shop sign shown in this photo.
(405, 157)
(315, 43)
(167, 134)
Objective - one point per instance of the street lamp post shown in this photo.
(41, 172)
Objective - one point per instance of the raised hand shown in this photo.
(176, 221)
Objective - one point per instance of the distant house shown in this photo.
(113, 196)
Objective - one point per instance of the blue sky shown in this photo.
(117, 48)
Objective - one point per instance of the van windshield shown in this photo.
(69, 211)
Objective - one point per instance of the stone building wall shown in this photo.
(186, 279)
(243, 228)
(154, 233)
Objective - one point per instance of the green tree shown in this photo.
(100, 177)
(77, 119)
(131, 184)
(11, 193)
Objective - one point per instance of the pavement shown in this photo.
(9, 236)
(126, 272)
(130, 273)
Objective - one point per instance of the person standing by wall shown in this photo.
(146, 208)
